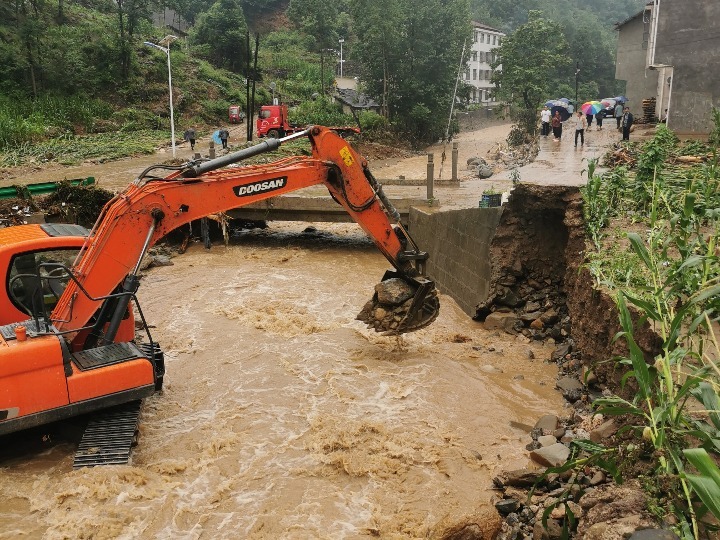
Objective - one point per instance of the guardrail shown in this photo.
(41, 188)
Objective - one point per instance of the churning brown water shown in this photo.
(283, 417)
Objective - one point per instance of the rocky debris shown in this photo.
(601, 509)
(535, 297)
(483, 524)
(480, 167)
(159, 255)
(654, 534)
(474, 162)
(547, 424)
(390, 305)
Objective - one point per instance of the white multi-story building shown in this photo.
(478, 71)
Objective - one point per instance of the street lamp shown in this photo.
(167, 40)
(341, 40)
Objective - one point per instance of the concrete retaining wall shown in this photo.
(458, 243)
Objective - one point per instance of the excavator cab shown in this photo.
(37, 280)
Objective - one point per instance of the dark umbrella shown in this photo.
(564, 114)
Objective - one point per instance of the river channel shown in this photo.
(282, 417)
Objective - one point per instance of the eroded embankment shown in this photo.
(539, 285)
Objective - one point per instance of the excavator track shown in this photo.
(109, 437)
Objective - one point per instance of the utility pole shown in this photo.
(577, 72)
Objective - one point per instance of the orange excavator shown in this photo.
(68, 343)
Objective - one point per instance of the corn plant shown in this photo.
(675, 411)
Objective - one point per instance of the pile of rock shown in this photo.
(600, 509)
(480, 167)
(512, 157)
(390, 304)
(528, 302)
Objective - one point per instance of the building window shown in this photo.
(474, 56)
(475, 37)
(474, 74)
(494, 39)
(467, 75)
(482, 37)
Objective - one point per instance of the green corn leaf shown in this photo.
(704, 294)
(646, 306)
(708, 491)
(639, 248)
(588, 446)
(693, 260)
(697, 321)
(689, 205)
(704, 465)
(706, 395)
(617, 411)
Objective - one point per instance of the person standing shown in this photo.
(556, 123)
(599, 118)
(189, 136)
(545, 121)
(618, 113)
(223, 134)
(589, 118)
(627, 122)
(580, 125)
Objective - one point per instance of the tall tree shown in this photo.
(523, 65)
(221, 33)
(406, 64)
(318, 19)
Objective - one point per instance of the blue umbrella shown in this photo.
(622, 99)
(216, 137)
(564, 100)
(551, 103)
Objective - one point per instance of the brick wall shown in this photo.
(458, 243)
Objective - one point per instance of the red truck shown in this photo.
(235, 114)
(273, 122)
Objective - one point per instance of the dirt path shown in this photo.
(116, 175)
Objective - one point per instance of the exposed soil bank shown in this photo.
(539, 284)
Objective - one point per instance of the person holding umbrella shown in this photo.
(556, 123)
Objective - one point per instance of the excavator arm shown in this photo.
(151, 207)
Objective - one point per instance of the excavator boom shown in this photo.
(83, 356)
(152, 207)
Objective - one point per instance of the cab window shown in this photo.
(265, 114)
(27, 291)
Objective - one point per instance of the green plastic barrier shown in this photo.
(43, 188)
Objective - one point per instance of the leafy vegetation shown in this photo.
(95, 48)
(671, 409)
(586, 25)
(526, 57)
(70, 149)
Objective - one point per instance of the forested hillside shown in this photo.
(79, 66)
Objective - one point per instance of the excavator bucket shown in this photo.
(401, 304)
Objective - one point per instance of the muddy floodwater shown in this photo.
(283, 417)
